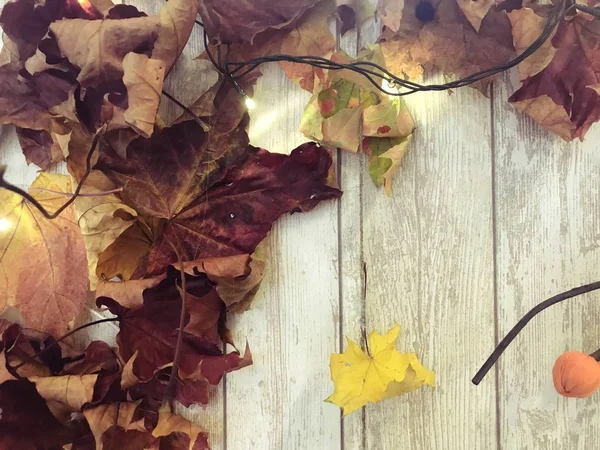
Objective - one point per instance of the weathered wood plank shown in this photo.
(293, 327)
(429, 257)
(548, 241)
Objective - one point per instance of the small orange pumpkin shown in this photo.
(576, 374)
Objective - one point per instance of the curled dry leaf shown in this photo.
(230, 21)
(52, 250)
(565, 96)
(360, 378)
(151, 331)
(102, 417)
(527, 26)
(345, 108)
(475, 10)
(432, 34)
(65, 394)
(184, 430)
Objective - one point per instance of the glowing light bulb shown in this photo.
(389, 87)
(86, 5)
(250, 104)
(4, 224)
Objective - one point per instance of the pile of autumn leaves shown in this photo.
(190, 198)
(194, 196)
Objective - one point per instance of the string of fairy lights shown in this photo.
(381, 78)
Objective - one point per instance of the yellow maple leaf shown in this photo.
(360, 378)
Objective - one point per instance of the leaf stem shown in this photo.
(70, 333)
(170, 389)
(524, 321)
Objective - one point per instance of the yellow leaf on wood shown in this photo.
(360, 378)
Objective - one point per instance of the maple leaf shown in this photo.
(235, 215)
(360, 378)
(230, 21)
(151, 331)
(564, 97)
(43, 262)
(345, 107)
(418, 35)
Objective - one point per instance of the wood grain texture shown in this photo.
(350, 207)
(429, 257)
(548, 241)
(293, 326)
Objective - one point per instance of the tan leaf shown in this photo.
(127, 293)
(549, 115)
(67, 393)
(124, 255)
(527, 27)
(98, 47)
(176, 23)
(444, 40)
(42, 262)
(102, 417)
(342, 129)
(398, 60)
(310, 37)
(237, 292)
(385, 156)
(143, 78)
(169, 423)
(475, 10)
(128, 378)
(102, 219)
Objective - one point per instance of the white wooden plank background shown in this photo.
(490, 215)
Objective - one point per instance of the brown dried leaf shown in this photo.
(564, 96)
(102, 417)
(143, 78)
(176, 22)
(232, 21)
(310, 37)
(475, 10)
(123, 256)
(98, 47)
(66, 394)
(43, 262)
(527, 27)
(102, 220)
(444, 39)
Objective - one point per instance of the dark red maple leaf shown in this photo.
(152, 330)
(235, 215)
(565, 96)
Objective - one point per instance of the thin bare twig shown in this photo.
(68, 194)
(88, 168)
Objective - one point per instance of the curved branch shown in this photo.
(524, 321)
